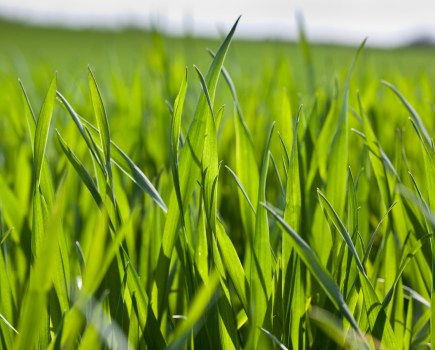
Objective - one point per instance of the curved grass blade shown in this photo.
(242, 189)
(128, 167)
(332, 214)
(416, 118)
(274, 339)
(76, 118)
(372, 238)
(135, 174)
(78, 166)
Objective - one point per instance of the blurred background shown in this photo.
(385, 22)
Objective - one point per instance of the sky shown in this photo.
(384, 22)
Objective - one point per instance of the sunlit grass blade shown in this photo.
(233, 265)
(124, 162)
(40, 283)
(336, 190)
(42, 128)
(102, 121)
(261, 265)
(175, 138)
(292, 215)
(209, 161)
(77, 120)
(416, 118)
(242, 189)
(274, 339)
(332, 214)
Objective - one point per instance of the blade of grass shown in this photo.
(42, 128)
(261, 266)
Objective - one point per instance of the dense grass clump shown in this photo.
(286, 204)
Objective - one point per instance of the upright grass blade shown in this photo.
(209, 161)
(42, 128)
(261, 265)
(102, 121)
(336, 190)
(175, 138)
(35, 302)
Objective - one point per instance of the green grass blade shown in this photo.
(241, 188)
(232, 265)
(175, 138)
(332, 214)
(35, 302)
(416, 118)
(274, 339)
(77, 120)
(336, 190)
(81, 171)
(261, 266)
(128, 167)
(42, 128)
(137, 176)
(102, 121)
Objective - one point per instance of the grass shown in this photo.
(278, 199)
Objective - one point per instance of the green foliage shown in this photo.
(236, 227)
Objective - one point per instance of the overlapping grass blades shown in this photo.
(88, 260)
(189, 171)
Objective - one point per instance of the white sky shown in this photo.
(385, 22)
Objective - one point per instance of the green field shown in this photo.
(279, 195)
